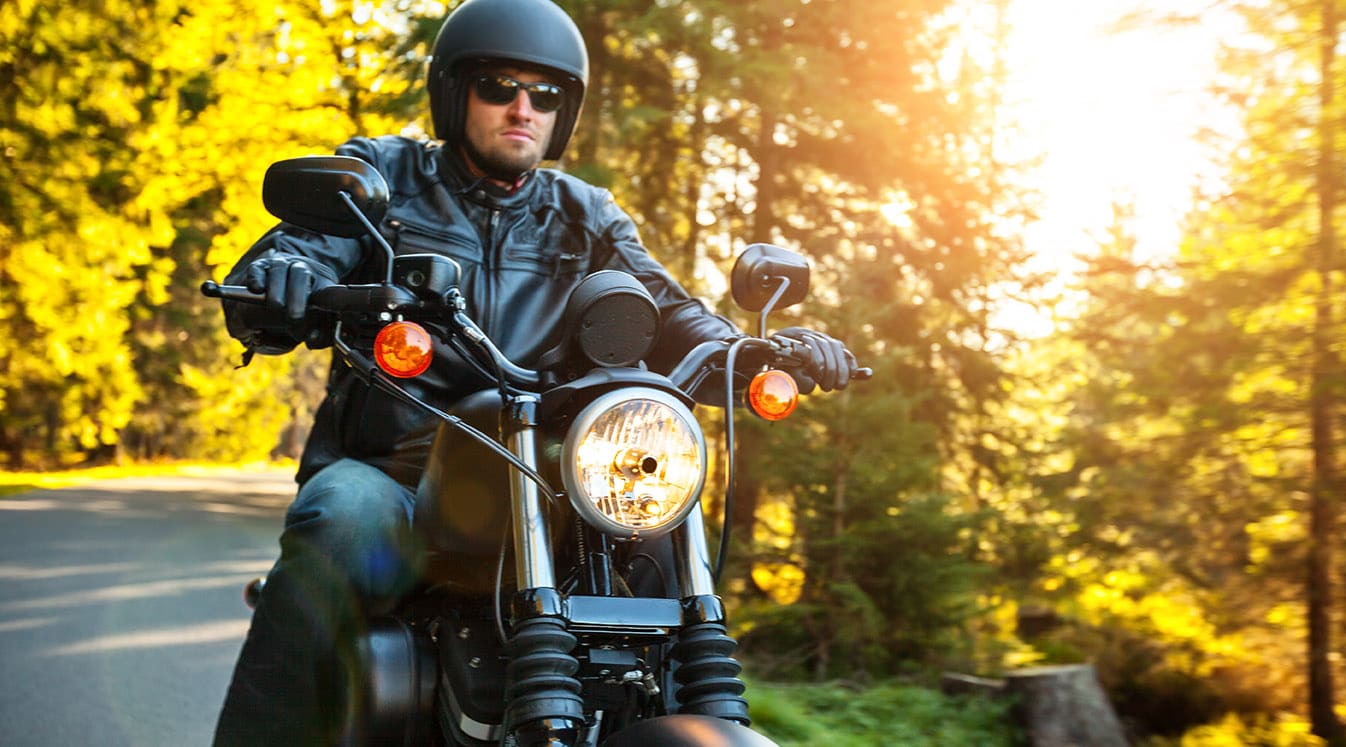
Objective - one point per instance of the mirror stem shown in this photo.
(378, 237)
(761, 320)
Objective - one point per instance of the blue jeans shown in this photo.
(346, 552)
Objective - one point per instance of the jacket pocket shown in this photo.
(413, 238)
(556, 249)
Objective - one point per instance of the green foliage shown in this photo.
(1201, 438)
(881, 715)
(826, 126)
(901, 582)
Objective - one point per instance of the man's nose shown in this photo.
(522, 106)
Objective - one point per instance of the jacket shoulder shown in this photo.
(576, 197)
(409, 166)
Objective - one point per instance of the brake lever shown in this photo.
(791, 352)
(212, 289)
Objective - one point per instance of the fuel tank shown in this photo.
(463, 501)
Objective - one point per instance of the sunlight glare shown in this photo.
(1112, 118)
(1113, 115)
(122, 593)
(214, 632)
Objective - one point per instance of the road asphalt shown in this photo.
(121, 608)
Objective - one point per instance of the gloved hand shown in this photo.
(288, 281)
(830, 364)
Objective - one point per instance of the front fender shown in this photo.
(687, 730)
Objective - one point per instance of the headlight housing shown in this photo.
(634, 463)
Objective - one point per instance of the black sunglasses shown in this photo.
(502, 89)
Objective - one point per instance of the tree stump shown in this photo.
(953, 683)
(1064, 706)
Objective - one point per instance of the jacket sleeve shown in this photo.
(260, 328)
(685, 322)
(257, 327)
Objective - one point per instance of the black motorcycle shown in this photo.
(610, 631)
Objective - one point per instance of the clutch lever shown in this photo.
(374, 298)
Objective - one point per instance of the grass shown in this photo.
(836, 716)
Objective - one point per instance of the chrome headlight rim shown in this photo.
(586, 419)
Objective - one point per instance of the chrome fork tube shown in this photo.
(689, 540)
(533, 567)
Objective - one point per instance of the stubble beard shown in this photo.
(501, 164)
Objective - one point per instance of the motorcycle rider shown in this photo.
(506, 85)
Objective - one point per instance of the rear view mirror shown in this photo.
(759, 272)
(307, 192)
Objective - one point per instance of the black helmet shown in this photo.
(536, 33)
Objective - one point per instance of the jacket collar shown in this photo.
(460, 181)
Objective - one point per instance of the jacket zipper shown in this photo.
(488, 298)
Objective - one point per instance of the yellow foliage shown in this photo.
(1284, 528)
(783, 582)
(132, 126)
(1283, 730)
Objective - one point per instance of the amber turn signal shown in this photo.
(403, 349)
(773, 394)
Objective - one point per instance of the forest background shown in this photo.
(1153, 487)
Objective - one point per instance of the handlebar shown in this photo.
(701, 362)
(380, 299)
(338, 299)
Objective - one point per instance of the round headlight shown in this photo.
(634, 463)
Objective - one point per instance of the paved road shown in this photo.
(121, 606)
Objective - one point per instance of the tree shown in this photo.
(75, 234)
(1203, 441)
(825, 126)
(136, 136)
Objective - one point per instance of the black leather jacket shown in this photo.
(521, 255)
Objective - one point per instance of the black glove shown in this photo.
(288, 282)
(829, 364)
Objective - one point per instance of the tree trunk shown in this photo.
(590, 127)
(767, 154)
(1323, 495)
(692, 195)
(743, 516)
(768, 161)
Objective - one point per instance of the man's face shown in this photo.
(507, 139)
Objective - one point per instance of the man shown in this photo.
(506, 85)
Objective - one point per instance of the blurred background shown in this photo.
(1089, 249)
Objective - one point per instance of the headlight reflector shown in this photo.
(634, 462)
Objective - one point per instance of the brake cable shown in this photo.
(730, 357)
(370, 373)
